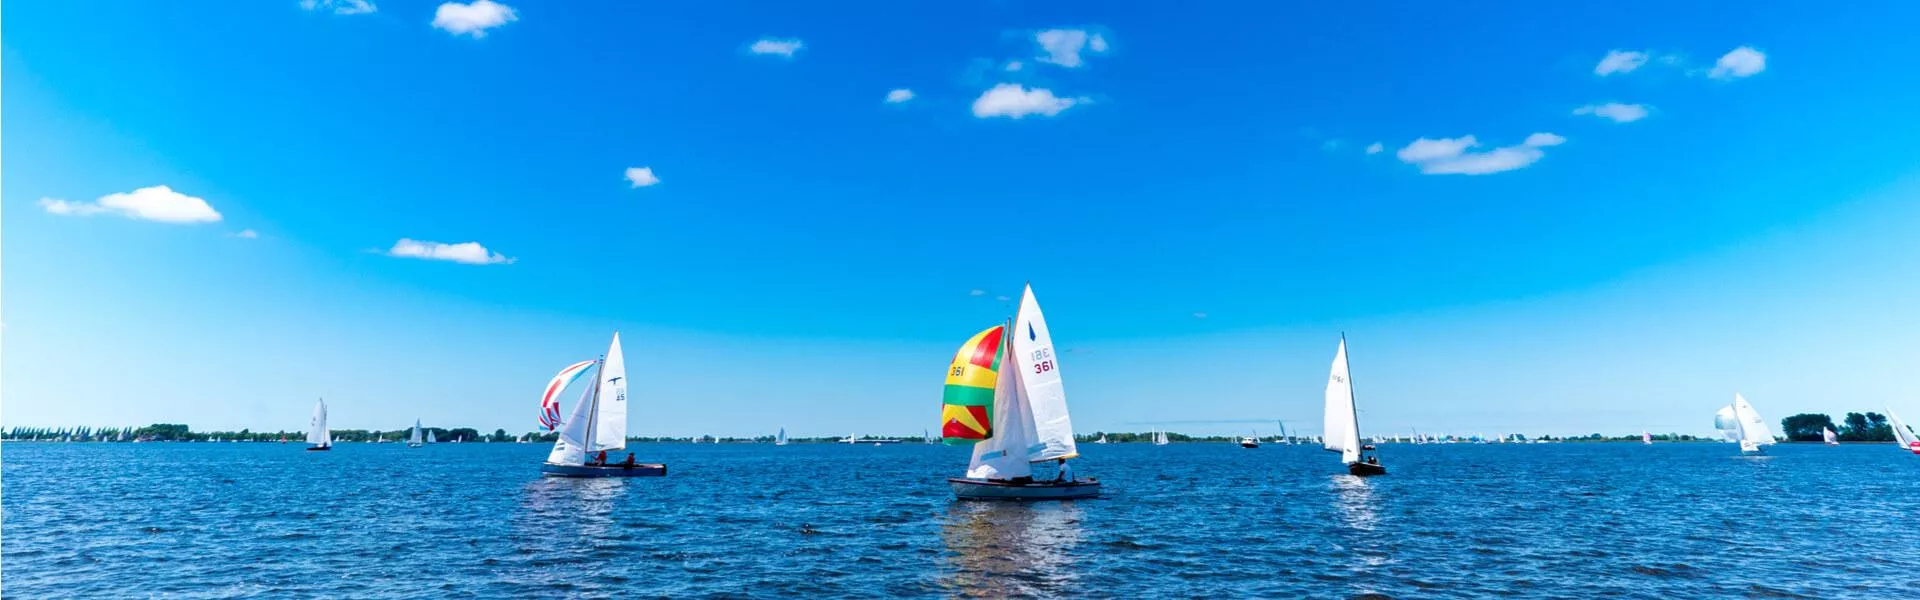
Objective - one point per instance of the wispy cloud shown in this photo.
(641, 176)
(1199, 315)
(473, 19)
(899, 95)
(1064, 46)
(977, 293)
(471, 253)
(247, 234)
(339, 7)
(1451, 156)
(1741, 62)
(1015, 101)
(1619, 113)
(1002, 298)
(1375, 148)
(157, 203)
(1620, 61)
(782, 47)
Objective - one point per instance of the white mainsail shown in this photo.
(781, 438)
(610, 409)
(430, 437)
(1827, 435)
(1159, 438)
(1040, 383)
(1004, 454)
(1753, 429)
(317, 433)
(414, 438)
(1341, 427)
(1901, 434)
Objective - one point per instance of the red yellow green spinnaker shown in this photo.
(967, 413)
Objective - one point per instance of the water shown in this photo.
(1452, 521)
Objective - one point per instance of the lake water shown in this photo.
(1451, 521)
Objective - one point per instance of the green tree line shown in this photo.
(1857, 427)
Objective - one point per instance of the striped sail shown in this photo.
(550, 399)
(966, 412)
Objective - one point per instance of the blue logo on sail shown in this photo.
(1030, 334)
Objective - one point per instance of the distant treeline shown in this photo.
(1858, 427)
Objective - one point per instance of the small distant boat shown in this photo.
(1341, 427)
(1646, 438)
(1741, 423)
(780, 439)
(1004, 395)
(318, 435)
(414, 440)
(1102, 440)
(1903, 435)
(1250, 442)
(1159, 438)
(1829, 437)
(431, 438)
(598, 425)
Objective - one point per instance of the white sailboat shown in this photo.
(780, 439)
(1829, 437)
(1903, 435)
(1102, 440)
(1341, 425)
(1743, 424)
(598, 425)
(1646, 438)
(1159, 438)
(1251, 441)
(431, 439)
(413, 439)
(1029, 422)
(318, 436)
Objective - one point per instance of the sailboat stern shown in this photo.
(985, 489)
(614, 470)
(1365, 469)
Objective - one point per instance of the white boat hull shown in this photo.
(981, 489)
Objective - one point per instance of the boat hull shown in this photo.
(981, 489)
(1361, 469)
(1249, 445)
(635, 470)
(319, 448)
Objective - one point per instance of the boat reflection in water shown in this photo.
(565, 511)
(1010, 549)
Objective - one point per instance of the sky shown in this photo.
(1542, 219)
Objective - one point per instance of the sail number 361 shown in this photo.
(1042, 360)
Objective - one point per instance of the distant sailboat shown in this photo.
(1741, 423)
(780, 439)
(1646, 438)
(432, 439)
(1341, 427)
(1901, 434)
(598, 425)
(1102, 440)
(1005, 396)
(414, 440)
(1251, 441)
(1827, 435)
(318, 435)
(1159, 438)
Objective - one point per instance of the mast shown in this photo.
(593, 412)
(1353, 397)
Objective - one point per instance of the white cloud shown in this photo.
(1063, 46)
(471, 253)
(1002, 298)
(1620, 61)
(247, 234)
(1199, 315)
(473, 19)
(1375, 148)
(775, 46)
(1620, 113)
(1741, 62)
(157, 203)
(899, 95)
(1014, 65)
(641, 176)
(977, 293)
(339, 7)
(1015, 101)
(1449, 156)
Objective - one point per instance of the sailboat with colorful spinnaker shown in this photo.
(1901, 434)
(1004, 396)
(598, 424)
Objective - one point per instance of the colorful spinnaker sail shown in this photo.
(550, 401)
(967, 411)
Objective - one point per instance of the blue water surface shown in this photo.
(1452, 521)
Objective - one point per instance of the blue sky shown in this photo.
(1658, 205)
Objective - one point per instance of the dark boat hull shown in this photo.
(1247, 445)
(635, 470)
(1365, 469)
(319, 448)
(981, 489)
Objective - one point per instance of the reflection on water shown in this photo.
(1353, 500)
(1000, 549)
(581, 507)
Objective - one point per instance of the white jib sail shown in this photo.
(610, 420)
(1827, 435)
(1040, 380)
(569, 447)
(1901, 435)
(1752, 427)
(1341, 428)
(1003, 455)
(317, 429)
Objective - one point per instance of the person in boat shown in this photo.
(629, 462)
(1373, 460)
(600, 459)
(1066, 473)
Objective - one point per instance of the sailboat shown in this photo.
(317, 434)
(414, 440)
(1284, 438)
(1827, 435)
(1102, 440)
(1159, 438)
(1251, 441)
(780, 439)
(1901, 434)
(1004, 396)
(431, 439)
(1341, 427)
(1646, 438)
(1741, 423)
(598, 425)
